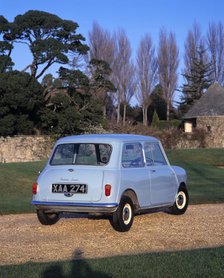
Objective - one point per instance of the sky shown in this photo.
(136, 17)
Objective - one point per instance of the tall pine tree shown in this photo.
(197, 80)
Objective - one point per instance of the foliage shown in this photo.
(100, 84)
(50, 39)
(158, 103)
(172, 124)
(99, 129)
(155, 120)
(5, 46)
(21, 100)
(62, 105)
(100, 72)
(197, 81)
(72, 107)
(133, 113)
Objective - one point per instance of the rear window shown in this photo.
(81, 154)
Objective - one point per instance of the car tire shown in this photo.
(181, 202)
(47, 218)
(122, 218)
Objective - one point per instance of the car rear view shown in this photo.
(72, 180)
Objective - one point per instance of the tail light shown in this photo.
(34, 188)
(107, 190)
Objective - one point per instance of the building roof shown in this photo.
(210, 104)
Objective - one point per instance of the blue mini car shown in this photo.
(119, 175)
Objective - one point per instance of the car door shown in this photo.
(134, 174)
(163, 182)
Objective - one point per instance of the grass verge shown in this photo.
(196, 263)
(205, 179)
(16, 186)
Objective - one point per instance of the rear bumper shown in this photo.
(75, 207)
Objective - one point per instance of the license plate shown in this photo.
(69, 188)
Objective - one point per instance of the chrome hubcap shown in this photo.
(181, 200)
(127, 214)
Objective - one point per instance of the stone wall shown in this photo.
(184, 143)
(214, 127)
(24, 148)
(33, 148)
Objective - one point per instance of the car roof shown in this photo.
(106, 138)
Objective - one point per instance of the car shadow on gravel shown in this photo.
(84, 215)
(79, 268)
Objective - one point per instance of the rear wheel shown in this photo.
(123, 217)
(47, 218)
(181, 202)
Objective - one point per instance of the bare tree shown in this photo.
(102, 48)
(101, 43)
(215, 43)
(193, 42)
(147, 74)
(168, 62)
(128, 88)
(123, 73)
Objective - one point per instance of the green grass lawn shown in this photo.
(206, 185)
(196, 263)
(205, 179)
(16, 186)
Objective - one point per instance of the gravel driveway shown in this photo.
(24, 239)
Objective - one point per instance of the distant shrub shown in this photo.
(99, 129)
(155, 120)
(169, 124)
(171, 136)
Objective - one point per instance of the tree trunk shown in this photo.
(104, 111)
(145, 115)
(124, 114)
(167, 111)
(118, 112)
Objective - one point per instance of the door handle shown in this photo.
(153, 171)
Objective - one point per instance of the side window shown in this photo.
(104, 153)
(132, 155)
(159, 159)
(149, 153)
(154, 155)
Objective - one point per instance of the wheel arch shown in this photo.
(133, 196)
(182, 185)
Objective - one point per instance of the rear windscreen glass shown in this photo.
(81, 154)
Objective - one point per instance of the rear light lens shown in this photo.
(34, 188)
(107, 190)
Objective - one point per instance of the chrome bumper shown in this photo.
(75, 207)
